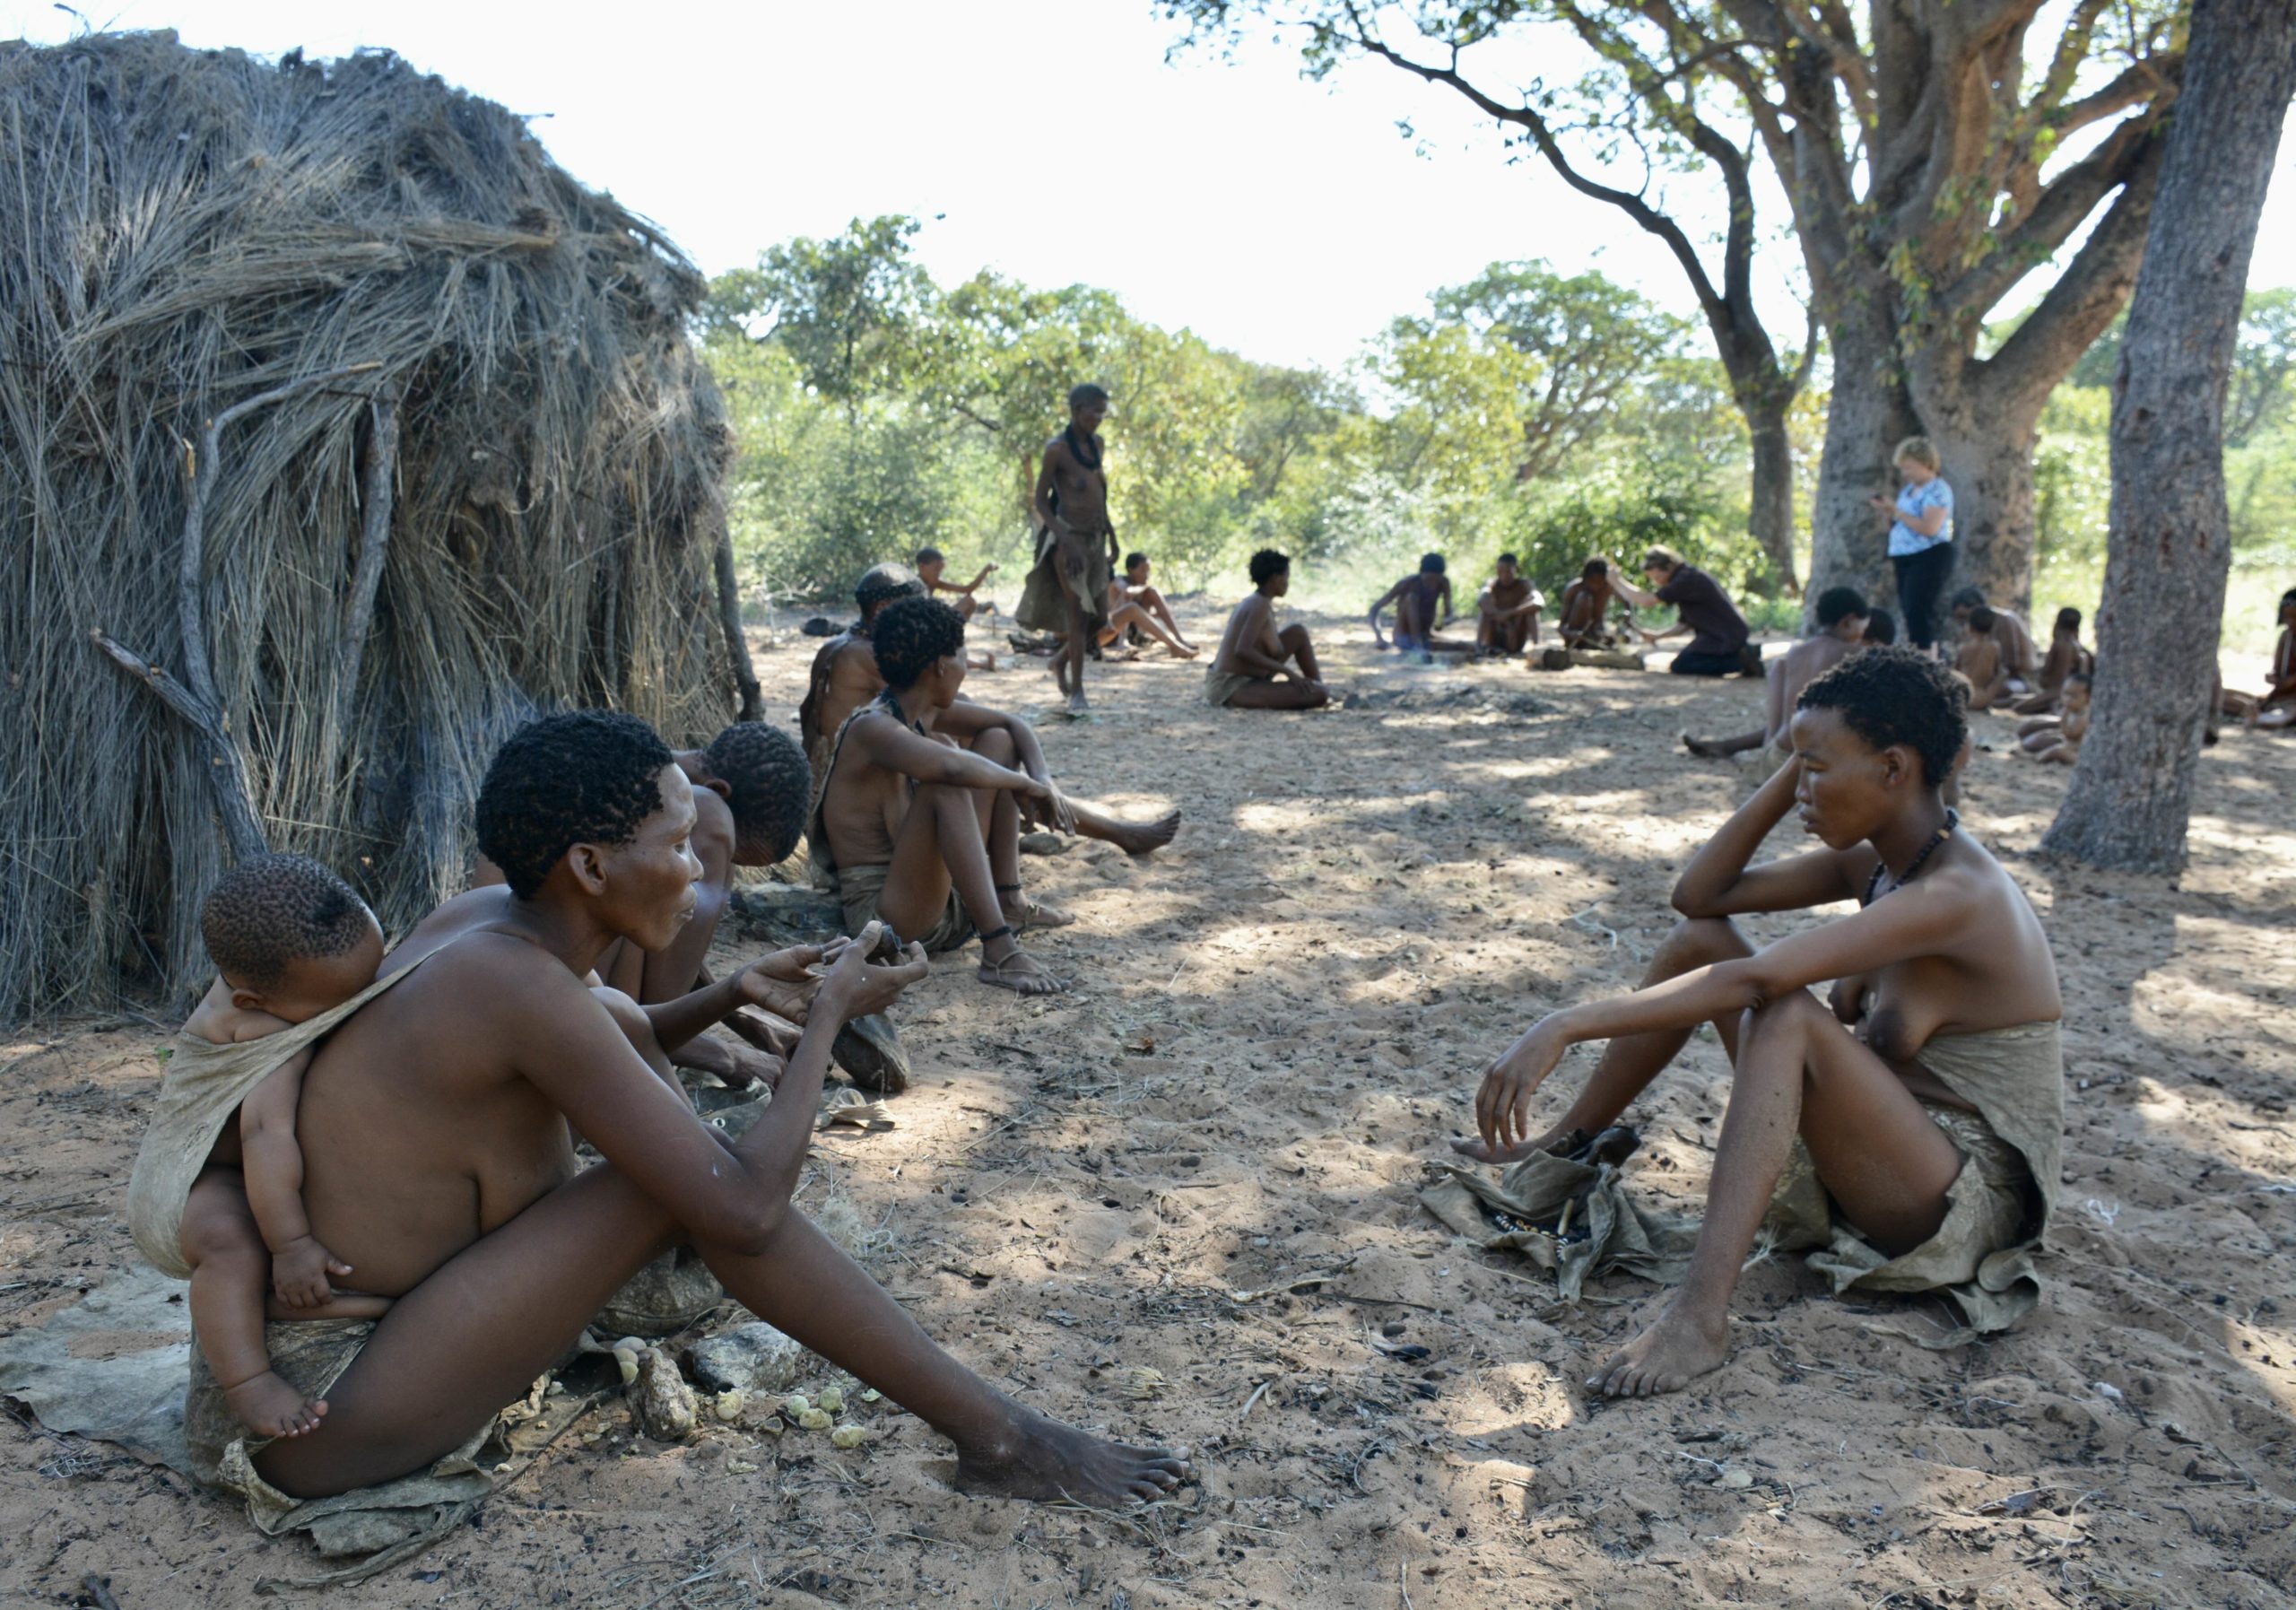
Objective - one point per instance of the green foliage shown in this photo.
(877, 413)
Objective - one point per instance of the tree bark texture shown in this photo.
(1769, 513)
(2130, 799)
(1867, 414)
(737, 642)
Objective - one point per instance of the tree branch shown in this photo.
(1643, 213)
(737, 642)
(2093, 288)
(205, 468)
(375, 494)
(2060, 211)
(227, 770)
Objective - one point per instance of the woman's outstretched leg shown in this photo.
(474, 1335)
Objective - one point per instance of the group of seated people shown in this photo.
(364, 1155)
(1508, 606)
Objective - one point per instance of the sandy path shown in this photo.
(1279, 1021)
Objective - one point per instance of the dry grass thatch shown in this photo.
(498, 406)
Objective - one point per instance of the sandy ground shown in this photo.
(1101, 1200)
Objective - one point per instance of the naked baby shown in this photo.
(289, 941)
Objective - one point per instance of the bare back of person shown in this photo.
(437, 1120)
(1795, 669)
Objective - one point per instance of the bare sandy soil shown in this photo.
(1180, 1205)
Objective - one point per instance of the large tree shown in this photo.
(1661, 109)
(1931, 160)
(2131, 796)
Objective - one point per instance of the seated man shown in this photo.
(2066, 658)
(2275, 707)
(2017, 663)
(1586, 604)
(1134, 608)
(844, 678)
(1422, 602)
(1720, 643)
(2056, 739)
(1929, 1123)
(1841, 631)
(434, 1123)
(931, 562)
(751, 789)
(1507, 611)
(1252, 669)
(925, 833)
(1985, 656)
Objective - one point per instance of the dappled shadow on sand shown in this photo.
(1181, 1205)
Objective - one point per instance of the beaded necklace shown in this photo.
(1874, 890)
(1090, 461)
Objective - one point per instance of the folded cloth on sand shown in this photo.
(1043, 606)
(1998, 1208)
(1604, 1229)
(858, 888)
(1982, 1257)
(1221, 686)
(311, 1355)
(202, 1091)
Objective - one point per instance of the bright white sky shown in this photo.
(1050, 142)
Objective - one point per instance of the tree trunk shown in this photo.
(737, 642)
(1867, 416)
(2130, 799)
(1770, 512)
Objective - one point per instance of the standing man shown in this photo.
(1720, 641)
(1067, 588)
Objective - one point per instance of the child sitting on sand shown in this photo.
(2056, 739)
(290, 940)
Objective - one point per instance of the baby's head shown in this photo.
(290, 937)
(2076, 692)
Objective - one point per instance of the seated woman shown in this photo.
(438, 1162)
(1135, 607)
(1929, 1105)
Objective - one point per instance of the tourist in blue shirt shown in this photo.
(1921, 536)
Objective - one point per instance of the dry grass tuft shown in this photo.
(181, 231)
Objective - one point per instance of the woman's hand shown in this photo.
(1502, 1105)
(1054, 811)
(1885, 505)
(786, 982)
(856, 988)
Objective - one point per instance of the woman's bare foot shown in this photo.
(269, 1407)
(1017, 970)
(1044, 1460)
(1077, 708)
(1677, 1347)
(1138, 838)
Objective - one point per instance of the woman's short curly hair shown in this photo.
(588, 776)
(773, 787)
(911, 635)
(1888, 696)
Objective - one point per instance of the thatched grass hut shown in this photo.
(419, 411)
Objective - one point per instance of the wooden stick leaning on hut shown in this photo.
(193, 697)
